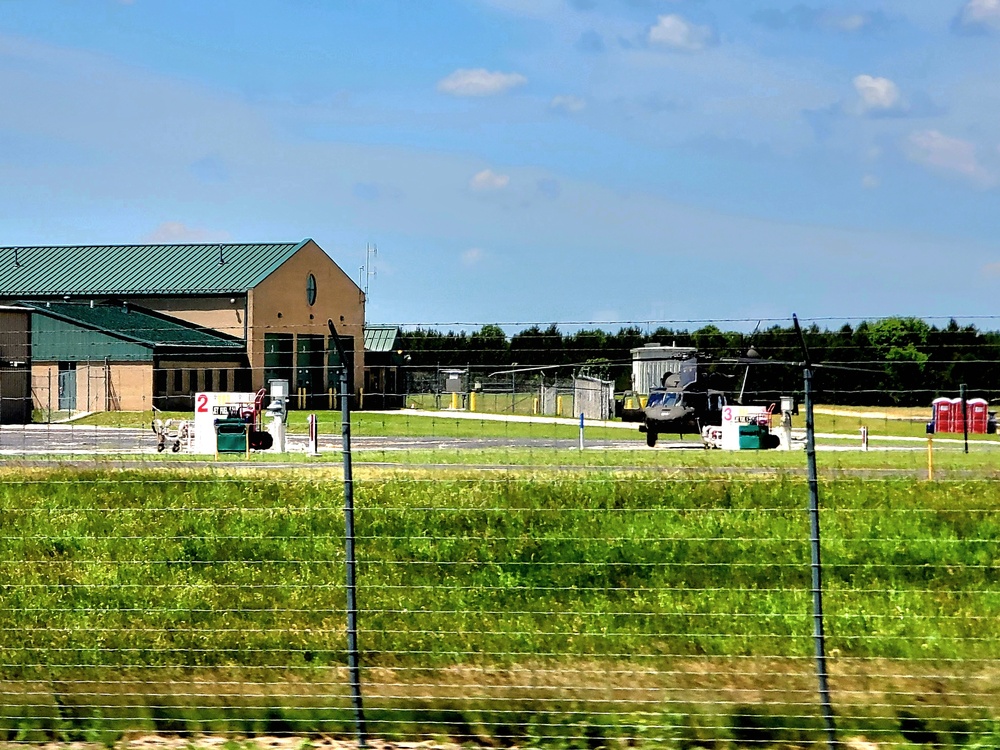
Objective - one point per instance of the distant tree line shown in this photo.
(894, 361)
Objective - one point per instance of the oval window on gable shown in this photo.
(311, 289)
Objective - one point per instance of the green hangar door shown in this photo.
(279, 352)
(309, 369)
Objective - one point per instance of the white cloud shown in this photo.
(979, 15)
(675, 32)
(177, 233)
(567, 103)
(870, 182)
(479, 82)
(473, 257)
(489, 180)
(934, 149)
(877, 94)
(853, 22)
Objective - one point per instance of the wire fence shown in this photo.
(524, 577)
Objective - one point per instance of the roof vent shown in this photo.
(17, 262)
(222, 258)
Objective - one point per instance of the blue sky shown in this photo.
(522, 161)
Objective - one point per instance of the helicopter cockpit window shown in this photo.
(664, 400)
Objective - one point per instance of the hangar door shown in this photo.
(279, 352)
(309, 353)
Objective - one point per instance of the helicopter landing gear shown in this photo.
(651, 438)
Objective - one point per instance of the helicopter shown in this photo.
(683, 408)
(685, 404)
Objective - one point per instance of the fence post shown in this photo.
(353, 660)
(313, 435)
(819, 639)
(965, 418)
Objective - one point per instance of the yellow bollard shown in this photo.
(454, 401)
(930, 459)
(472, 401)
(559, 405)
(534, 406)
(330, 396)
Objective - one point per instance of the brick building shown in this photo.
(135, 326)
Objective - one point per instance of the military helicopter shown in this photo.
(684, 408)
(685, 403)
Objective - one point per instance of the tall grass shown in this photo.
(488, 584)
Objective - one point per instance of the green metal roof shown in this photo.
(137, 325)
(380, 338)
(122, 270)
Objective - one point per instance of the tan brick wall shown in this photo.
(132, 383)
(218, 313)
(284, 293)
(44, 384)
(131, 386)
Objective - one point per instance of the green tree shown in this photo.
(900, 343)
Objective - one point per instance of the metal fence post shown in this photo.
(965, 414)
(353, 660)
(819, 638)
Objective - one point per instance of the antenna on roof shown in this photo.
(367, 272)
(222, 259)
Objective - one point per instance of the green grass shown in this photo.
(194, 571)
(492, 607)
(403, 424)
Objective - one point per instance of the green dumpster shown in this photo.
(751, 437)
(231, 436)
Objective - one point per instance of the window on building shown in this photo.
(208, 378)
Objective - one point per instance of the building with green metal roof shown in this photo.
(207, 316)
(385, 378)
(117, 356)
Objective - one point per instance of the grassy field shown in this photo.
(527, 609)
(883, 422)
(401, 423)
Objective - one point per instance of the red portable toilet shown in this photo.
(977, 413)
(944, 420)
(957, 415)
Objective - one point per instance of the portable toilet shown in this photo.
(943, 415)
(977, 415)
(958, 425)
